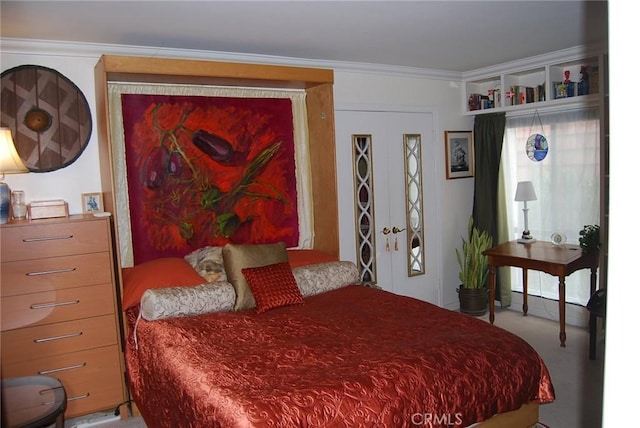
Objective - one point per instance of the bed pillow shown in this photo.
(157, 273)
(172, 302)
(237, 257)
(207, 261)
(273, 286)
(323, 277)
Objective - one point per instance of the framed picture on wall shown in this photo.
(92, 203)
(459, 154)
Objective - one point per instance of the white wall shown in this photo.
(83, 175)
(442, 97)
(369, 85)
(621, 361)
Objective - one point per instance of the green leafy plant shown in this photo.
(474, 266)
(590, 238)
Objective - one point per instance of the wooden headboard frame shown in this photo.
(318, 84)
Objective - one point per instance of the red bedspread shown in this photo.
(355, 356)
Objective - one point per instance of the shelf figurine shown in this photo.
(571, 86)
(583, 84)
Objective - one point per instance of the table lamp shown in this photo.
(525, 193)
(10, 163)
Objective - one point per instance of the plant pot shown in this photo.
(473, 301)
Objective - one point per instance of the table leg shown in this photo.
(561, 303)
(492, 293)
(594, 280)
(60, 420)
(525, 292)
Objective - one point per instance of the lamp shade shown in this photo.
(10, 161)
(525, 191)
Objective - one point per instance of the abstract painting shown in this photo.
(207, 171)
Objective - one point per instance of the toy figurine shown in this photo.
(583, 84)
(567, 73)
(584, 73)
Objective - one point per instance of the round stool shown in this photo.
(33, 401)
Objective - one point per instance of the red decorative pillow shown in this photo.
(158, 273)
(273, 286)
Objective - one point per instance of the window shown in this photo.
(567, 186)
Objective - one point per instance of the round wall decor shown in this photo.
(537, 147)
(48, 115)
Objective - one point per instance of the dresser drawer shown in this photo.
(37, 241)
(91, 378)
(56, 339)
(28, 310)
(54, 273)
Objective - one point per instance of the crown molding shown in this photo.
(559, 56)
(95, 50)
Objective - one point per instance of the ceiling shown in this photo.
(440, 35)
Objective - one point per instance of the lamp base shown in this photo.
(526, 240)
(5, 198)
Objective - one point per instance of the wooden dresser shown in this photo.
(59, 313)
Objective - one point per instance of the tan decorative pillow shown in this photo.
(238, 257)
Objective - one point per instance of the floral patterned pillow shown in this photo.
(207, 261)
(171, 302)
(323, 277)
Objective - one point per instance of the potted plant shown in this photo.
(590, 238)
(474, 269)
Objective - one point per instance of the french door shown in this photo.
(394, 243)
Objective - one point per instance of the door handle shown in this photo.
(396, 230)
(386, 231)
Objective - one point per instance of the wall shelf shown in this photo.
(555, 82)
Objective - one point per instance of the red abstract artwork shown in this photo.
(208, 171)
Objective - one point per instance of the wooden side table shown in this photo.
(33, 401)
(556, 260)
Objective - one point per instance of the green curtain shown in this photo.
(488, 133)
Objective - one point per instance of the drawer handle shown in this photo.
(61, 369)
(78, 397)
(47, 391)
(49, 272)
(47, 238)
(64, 336)
(54, 304)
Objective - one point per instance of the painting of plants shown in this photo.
(207, 171)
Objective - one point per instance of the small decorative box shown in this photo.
(48, 209)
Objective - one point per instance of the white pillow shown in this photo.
(323, 277)
(171, 302)
(207, 261)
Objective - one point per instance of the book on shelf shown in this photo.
(559, 90)
(480, 102)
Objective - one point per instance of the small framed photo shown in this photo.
(459, 154)
(92, 203)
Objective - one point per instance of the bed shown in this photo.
(344, 355)
(239, 333)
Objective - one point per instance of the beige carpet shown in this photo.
(577, 380)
